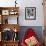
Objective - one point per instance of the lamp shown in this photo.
(15, 3)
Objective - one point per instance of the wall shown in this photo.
(27, 3)
(39, 12)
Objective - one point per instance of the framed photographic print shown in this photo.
(5, 12)
(30, 13)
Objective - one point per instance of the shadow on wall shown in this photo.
(37, 29)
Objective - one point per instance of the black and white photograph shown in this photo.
(30, 13)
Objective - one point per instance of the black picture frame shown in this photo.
(30, 13)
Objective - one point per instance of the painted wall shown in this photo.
(26, 3)
(39, 12)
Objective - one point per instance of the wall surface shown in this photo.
(39, 12)
(26, 3)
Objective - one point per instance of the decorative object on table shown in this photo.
(6, 21)
(30, 13)
(30, 38)
(15, 3)
(15, 36)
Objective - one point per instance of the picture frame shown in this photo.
(30, 13)
(5, 12)
(13, 12)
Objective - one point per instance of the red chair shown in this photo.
(29, 33)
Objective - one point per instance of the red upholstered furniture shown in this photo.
(29, 33)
